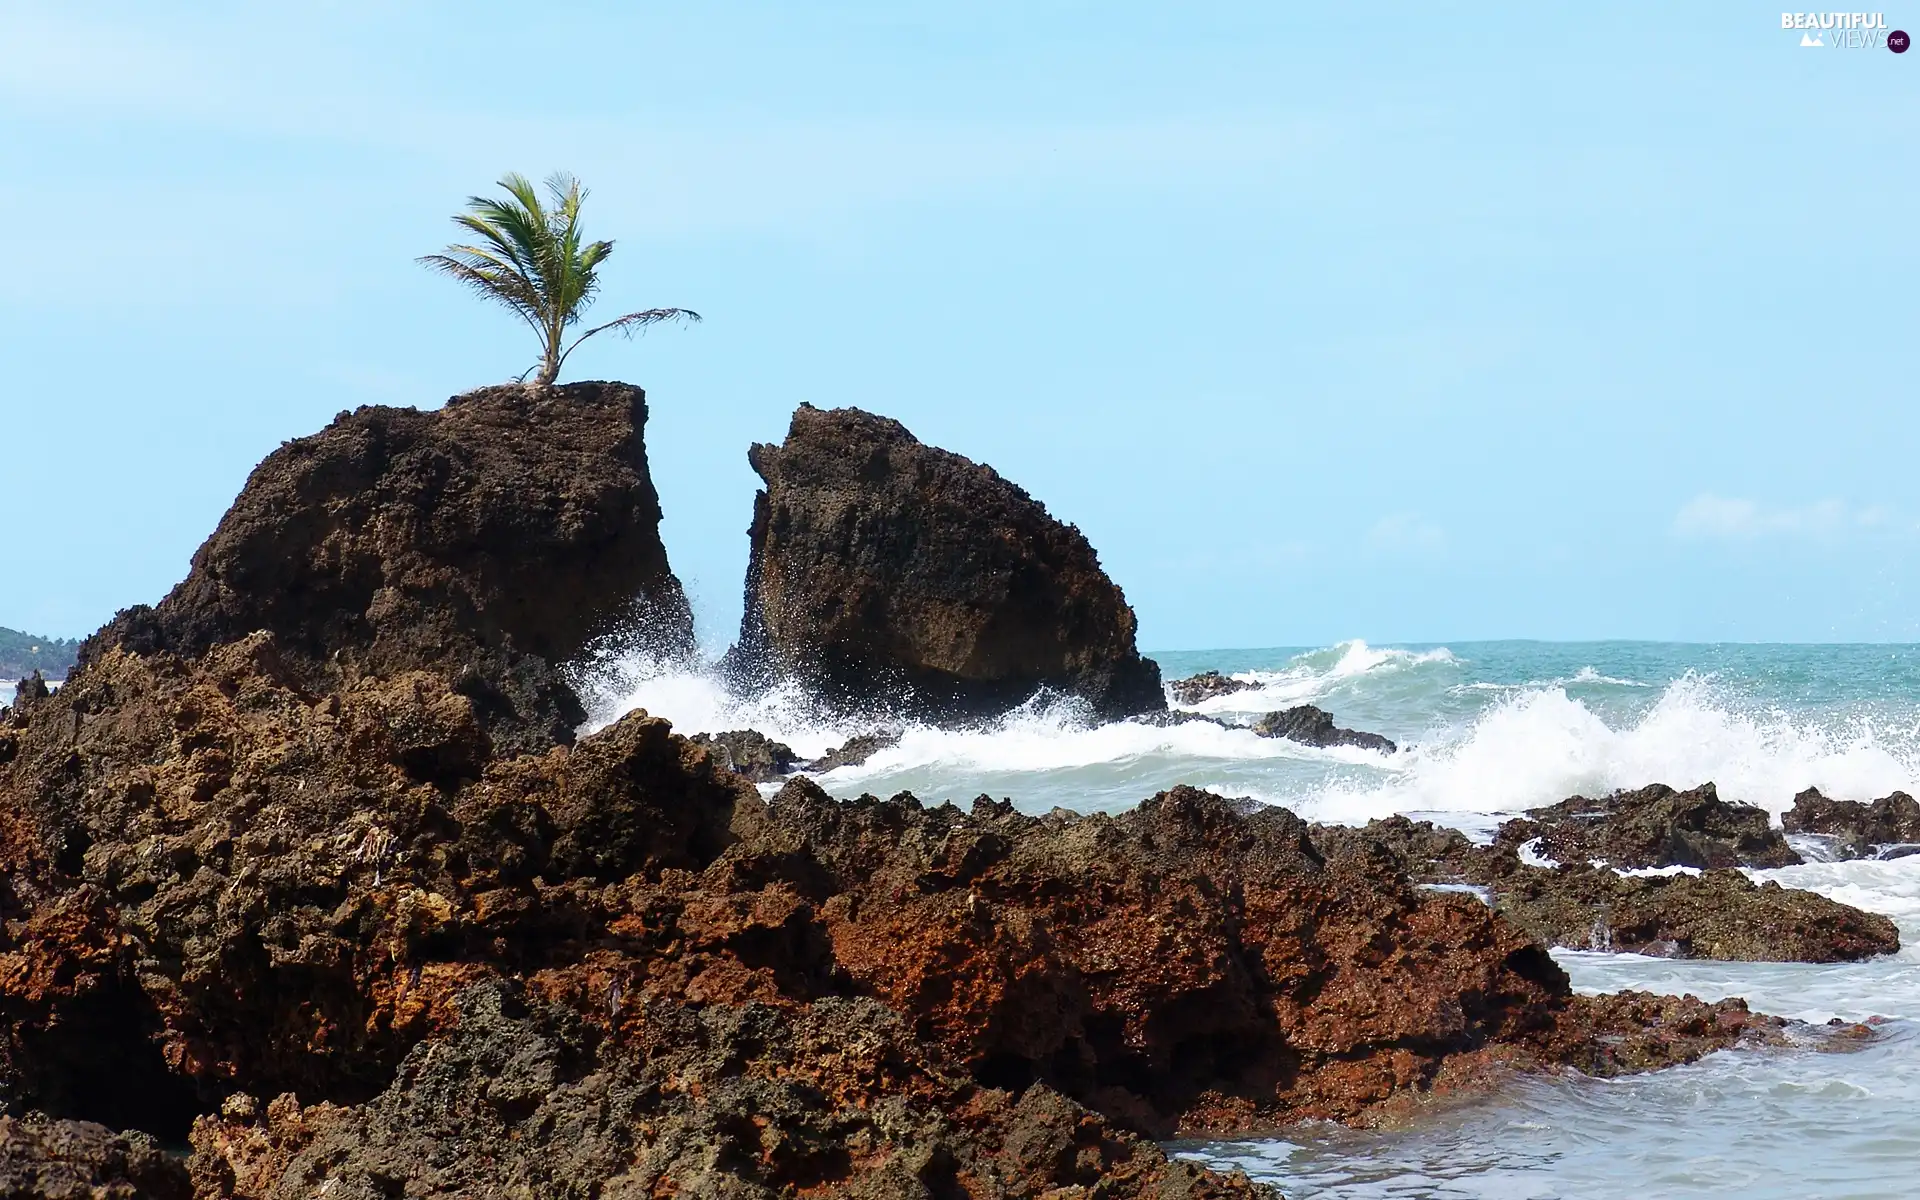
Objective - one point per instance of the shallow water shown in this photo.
(1486, 730)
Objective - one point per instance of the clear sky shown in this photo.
(1404, 322)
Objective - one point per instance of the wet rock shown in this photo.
(1205, 686)
(45, 1159)
(855, 751)
(882, 568)
(750, 753)
(1719, 914)
(1654, 826)
(1176, 716)
(485, 542)
(1857, 830)
(1314, 727)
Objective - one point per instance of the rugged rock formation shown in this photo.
(1856, 830)
(1719, 914)
(1205, 686)
(884, 571)
(1654, 826)
(384, 936)
(750, 753)
(486, 542)
(1314, 727)
(78, 1160)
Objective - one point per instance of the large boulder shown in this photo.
(487, 542)
(1853, 829)
(887, 572)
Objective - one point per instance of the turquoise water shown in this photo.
(1487, 729)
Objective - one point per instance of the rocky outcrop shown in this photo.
(853, 752)
(41, 1159)
(887, 573)
(1718, 914)
(486, 542)
(1314, 727)
(750, 753)
(1205, 686)
(1853, 829)
(354, 930)
(1654, 826)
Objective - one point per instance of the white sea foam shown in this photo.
(1539, 746)
(1312, 675)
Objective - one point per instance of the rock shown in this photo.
(44, 1159)
(1719, 914)
(854, 752)
(752, 754)
(752, 1101)
(887, 572)
(1205, 686)
(1858, 830)
(1654, 827)
(486, 542)
(1177, 716)
(468, 958)
(1313, 727)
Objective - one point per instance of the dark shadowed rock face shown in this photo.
(750, 753)
(1314, 727)
(1856, 830)
(486, 542)
(886, 570)
(1654, 826)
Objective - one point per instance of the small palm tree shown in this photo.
(532, 260)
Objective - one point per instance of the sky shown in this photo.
(1403, 322)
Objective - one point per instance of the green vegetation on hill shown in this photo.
(21, 654)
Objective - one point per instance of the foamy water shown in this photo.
(1487, 730)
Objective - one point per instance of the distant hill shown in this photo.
(22, 654)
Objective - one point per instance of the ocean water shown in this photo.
(1488, 729)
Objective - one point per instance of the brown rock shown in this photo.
(884, 571)
(486, 542)
(751, 753)
(43, 1159)
(1205, 686)
(855, 751)
(1654, 827)
(1857, 830)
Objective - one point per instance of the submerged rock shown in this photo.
(1205, 686)
(1858, 830)
(1314, 727)
(1654, 826)
(884, 570)
(750, 753)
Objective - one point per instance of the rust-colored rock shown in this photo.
(884, 571)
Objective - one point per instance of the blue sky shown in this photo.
(1400, 322)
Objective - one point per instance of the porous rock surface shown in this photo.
(314, 917)
(1717, 914)
(42, 1159)
(487, 542)
(1856, 829)
(885, 570)
(1654, 826)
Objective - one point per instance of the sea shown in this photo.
(1487, 729)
